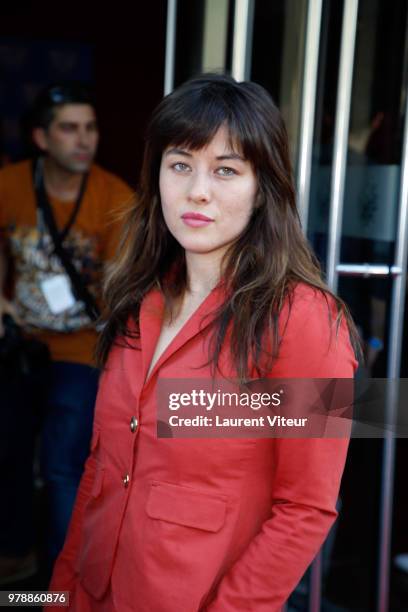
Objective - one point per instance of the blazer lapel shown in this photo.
(151, 316)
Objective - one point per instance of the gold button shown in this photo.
(133, 424)
(126, 480)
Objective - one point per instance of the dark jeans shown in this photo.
(61, 406)
(66, 437)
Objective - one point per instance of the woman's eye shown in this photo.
(180, 167)
(225, 171)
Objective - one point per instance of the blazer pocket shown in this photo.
(185, 506)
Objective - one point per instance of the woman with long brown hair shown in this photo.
(214, 279)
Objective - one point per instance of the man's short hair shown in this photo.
(56, 95)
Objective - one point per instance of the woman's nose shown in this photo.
(200, 189)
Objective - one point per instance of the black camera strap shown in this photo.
(80, 290)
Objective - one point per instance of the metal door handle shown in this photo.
(367, 270)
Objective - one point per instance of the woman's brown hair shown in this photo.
(261, 269)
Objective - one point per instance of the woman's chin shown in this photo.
(201, 249)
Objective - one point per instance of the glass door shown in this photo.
(357, 225)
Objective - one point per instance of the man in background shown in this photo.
(55, 301)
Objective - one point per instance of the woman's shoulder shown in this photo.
(304, 291)
(305, 300)
(314, 335)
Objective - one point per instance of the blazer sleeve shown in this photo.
(64, 573)
(308, 471)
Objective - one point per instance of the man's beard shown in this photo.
(73, 166)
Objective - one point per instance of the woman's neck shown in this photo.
(203, 273)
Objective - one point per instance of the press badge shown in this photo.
(57, 293)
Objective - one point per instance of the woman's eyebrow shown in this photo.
(225, 156)
(176, 151)
(230, 156)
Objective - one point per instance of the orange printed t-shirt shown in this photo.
(91, 241)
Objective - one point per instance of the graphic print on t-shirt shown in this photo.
(35, 263)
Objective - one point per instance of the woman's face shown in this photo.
(207, 196)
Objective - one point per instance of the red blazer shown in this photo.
(180, 525)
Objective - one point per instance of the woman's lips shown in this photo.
(196, 219)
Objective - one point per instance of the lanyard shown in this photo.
(44, 205)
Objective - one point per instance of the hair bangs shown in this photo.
(196, 119)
